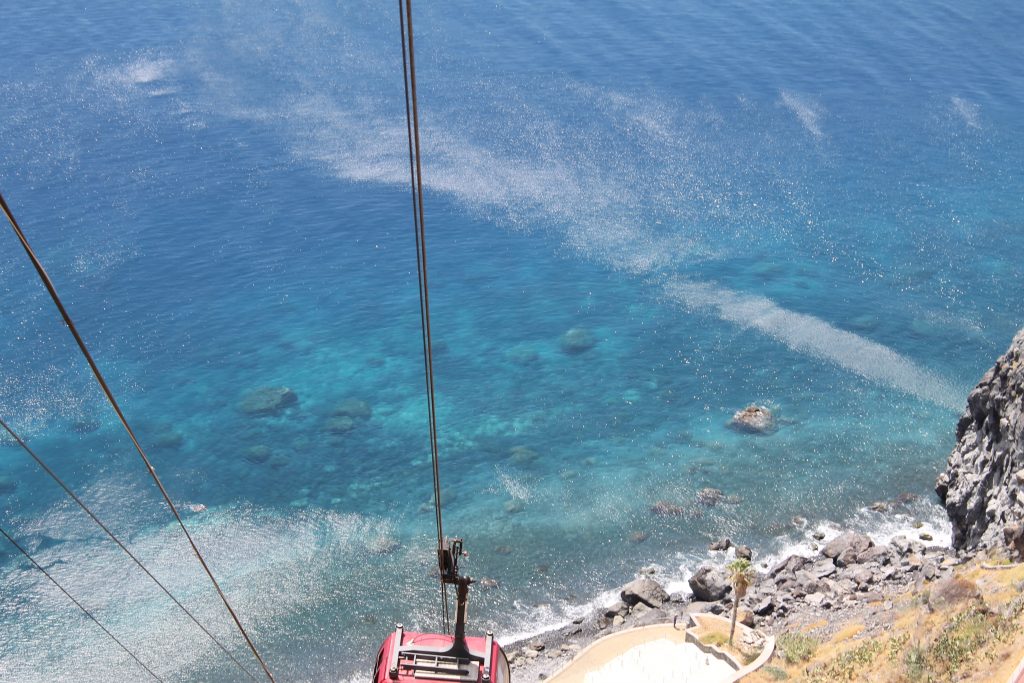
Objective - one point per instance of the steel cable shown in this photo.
(71, 494)
(79, 605)
(124, 422)
(416, 183)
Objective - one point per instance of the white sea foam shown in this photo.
(881, 527)
(595, 226)
(968, 111)
(272, 566)
(597, 183)
(141, 71)
(593, 209)
(807, 112)
(547, 618)
(576, 183)
(815, 337)
(515, 488)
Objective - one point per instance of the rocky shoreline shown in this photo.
(850, 578)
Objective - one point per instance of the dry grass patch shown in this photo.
(968, 628)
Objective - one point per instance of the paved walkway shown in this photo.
(663, 661)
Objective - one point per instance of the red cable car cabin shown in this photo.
(407, 657)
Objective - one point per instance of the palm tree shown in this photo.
(741, 575)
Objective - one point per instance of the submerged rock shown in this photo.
(709, 497)
(353, 408)
(522, 355)
(578, 340)
(638, 537)
(86, 426)
(521, 455)
(753, 419)
(167, 438)
(7, 485)
(268, 401)
(258, 455)
(667, 509)
(341, 424)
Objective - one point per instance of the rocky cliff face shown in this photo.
(983, 485)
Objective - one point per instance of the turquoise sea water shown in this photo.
(817, 208)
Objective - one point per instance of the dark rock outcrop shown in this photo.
(983, 485)
(795, 592)
(721, 544)
(846, 547)
(709, 584)
(645, 590)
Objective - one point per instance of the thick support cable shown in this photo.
(79, 605)
(124, 423)
(71, 494)
(416, 182)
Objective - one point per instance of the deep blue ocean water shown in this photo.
(817, 207)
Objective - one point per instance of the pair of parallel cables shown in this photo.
(412, 124)
(48, 283)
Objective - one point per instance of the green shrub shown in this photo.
(796, 647)
(847, 666)
(915, 663)
(1016, 606)
(966, 635)
(896, 646)
(714, 638)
